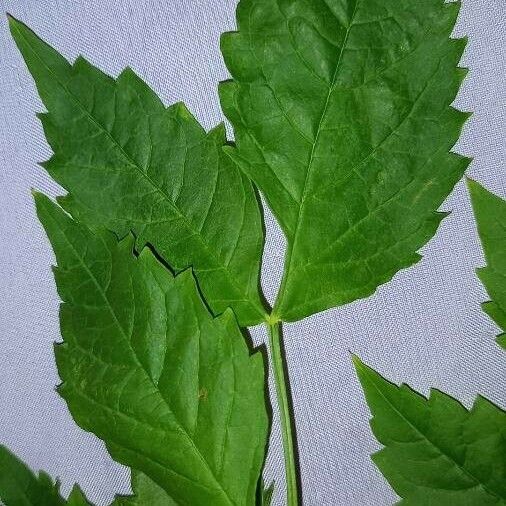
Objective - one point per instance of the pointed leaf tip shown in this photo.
(490, 215)
(15, 25)
(224, 245)
(356, 360)
(39, 198)
(472, 184)
(428, 437)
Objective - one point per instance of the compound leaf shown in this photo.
(19, 486)
(171, 390)
(436, 451)
(490, 215)
(342, 117)
(129, 163)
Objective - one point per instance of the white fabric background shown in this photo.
(425, 328)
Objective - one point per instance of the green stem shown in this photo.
(288, 434)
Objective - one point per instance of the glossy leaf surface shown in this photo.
(342, 117)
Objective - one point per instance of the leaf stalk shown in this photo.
(285, 412)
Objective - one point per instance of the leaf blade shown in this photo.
(20, 487)
(490, 216)
(131, 164)
(145, 492)
(343, 120)
(184, 401)
(266, 494)
(77, 497)
(435, 451)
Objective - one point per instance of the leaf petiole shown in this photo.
(285, 413)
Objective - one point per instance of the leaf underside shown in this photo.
(342, 118)
(171, 390)
(436, 452)
(130, 164)
(490, 215)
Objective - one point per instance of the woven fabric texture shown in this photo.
(425, 328)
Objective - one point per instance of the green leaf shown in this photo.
(131, 164)
(266, 494)
(490, 214)
(77, 497)
(20, 487)
(172, 391)
(145, 493)
(342, 118)
(436, 452)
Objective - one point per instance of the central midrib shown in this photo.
(136, 167)
(293, 244)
